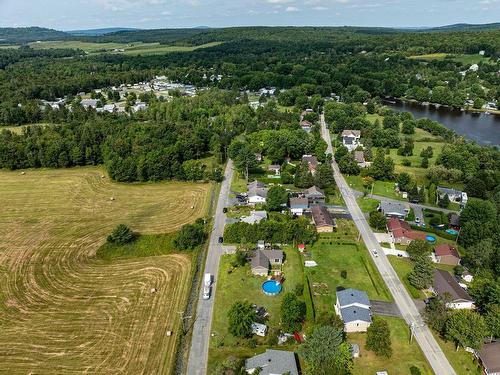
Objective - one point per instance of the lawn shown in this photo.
(382, 188)
(64, 308)
(240, 285)
(19, 129)
(463, 362)
(239, 183)
(367, 204)
(405, 354)
(429, 56)
(403, 266)
(333, 260)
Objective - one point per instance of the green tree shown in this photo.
(466, 328)
(492, 319)
(245, 160)
(348, 165)
(444, 202)
(424, 163)
(404, 181)
(408, 127)
(391, 122)
(277, 196)
(422, 275)
(190, 236)
(121, 235)
(324, 176)
(293, 312)
(378, 220)
(241, 315)
(378, 338)
(436, 313)
(418, 248)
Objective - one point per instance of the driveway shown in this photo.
(384, 308)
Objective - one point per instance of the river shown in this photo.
(479, 127)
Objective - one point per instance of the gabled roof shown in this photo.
(261, 192)
(321, 216)
(350, 296)
(273, 362)
(455, 219)
(354, 313)
(256, 184)
(311, 160)
(490, 357)
(359, 156)
(449, 191)
(393, 207)
(445, 283)
(273, 254)
(314, 191)
(351, 133)
(305, 123)
(259, 260)
(274, 167)
(445, 249)
(299, 202)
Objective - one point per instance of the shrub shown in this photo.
(121, 235)
(190, 236)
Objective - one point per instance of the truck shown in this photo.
(207, 280)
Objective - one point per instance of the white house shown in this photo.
(350, 139)
(474, 68)
(454, 195)
(86, 103)
(353, 306)
(298, 205)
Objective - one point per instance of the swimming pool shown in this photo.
(430, 238)
(271, 287)
(452, 232)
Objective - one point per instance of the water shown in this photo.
(479, 127)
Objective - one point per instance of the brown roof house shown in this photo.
(401, 232)
(359, 156)
(447, 255)
(322, 219)
(262, 260)
(312, 163)
(489, 356)
(446, 286)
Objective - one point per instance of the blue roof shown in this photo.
(353, 313)
(349, 296)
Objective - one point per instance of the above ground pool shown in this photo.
(452, 232)
(430, 238)
(271, 287)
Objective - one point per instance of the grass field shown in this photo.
(19, 129)
(367, 204)
(136, 48)
(62, 309)
(405, 355)
(382, 188)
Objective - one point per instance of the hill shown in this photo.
(98, 32)
(465, 27)
(29, 34)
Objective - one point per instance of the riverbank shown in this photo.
(467, 109)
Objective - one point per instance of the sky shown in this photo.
(148, 14)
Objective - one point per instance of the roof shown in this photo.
(89, 102)
(351, 133)
(394, 224)
(359, 156)
(393, 207)
(445, 283)
(354, 313)
(259, 260)
(273, 254)
(299, 203)
(444, 190)
(274, 362)
(490, 356)
(349, 296)
(305, 123)
(321, 216)
(400, 229)
(254, 217)
(445, 249)
(255, 184)
(314, 191)
(455, 219)
(274, 167)
(261, 192)
(311, 160)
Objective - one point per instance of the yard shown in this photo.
(405, 354)
(382, 188)
(240, 285)
(367, 204)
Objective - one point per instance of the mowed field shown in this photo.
(62, 310)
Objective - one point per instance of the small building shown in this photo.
(445, 285)
(359, 156)
(273, 362)
(257, 193)
(467, 276)
(109, 108)
(262, 260)
(259, 329)
(446, 254)
(315, 195)
(275, 168)
(489, 357)
(255, 217)
(89, 103)
(454, 219)
(393, 209)
(454, 195)
(301, 247)
(350, 139)
(322, 219)
(139, 107)
(298, 205)
(261, 245)
(306, 126)
(353, 306)
(258, 157)
(312, 163)
(401, 232)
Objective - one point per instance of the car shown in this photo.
(206, 292)
(375, 253)
(224, 210)
(221, 239)
(417, 220)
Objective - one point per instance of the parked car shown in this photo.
(224, 209)
(417, 220)
(221, 239)
(375, 253)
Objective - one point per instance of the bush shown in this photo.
(190, 236)
(406, 162)
(121, 235)
(299, 289)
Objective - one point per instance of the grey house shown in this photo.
(273, 362)
(262, 260)
(393, 209)
(315, 195)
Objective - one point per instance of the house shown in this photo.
(86, 103)
(446, 254)
(275, 168)
(322, 219)
(259, 329)
(454, 219)
(315, 195)
(445, 284)
(456, 196)
(312, 163)
(359, 156)
(489, 357)
(273, 362)
(474, 68)
(401, 232)
(353, 306)
(394, 209)
(255, 217)
(306, 126)
(109, 108)
(257, 193)
(350, 139)
(298, 205)
(139, 107)
(262, 260)
(255, 185)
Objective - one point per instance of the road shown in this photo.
(198, 354)
(409, 311)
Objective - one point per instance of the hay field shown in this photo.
(62, 311)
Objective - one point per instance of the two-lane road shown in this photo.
(422, 333)
(198, 354)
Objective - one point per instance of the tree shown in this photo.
(121, 235)
(377, 220)
(424, 163)
(466, 328)
(325, 352)
(340, 152)
(190, 236)
(436, 313)
(348, 165)
(391, 122)
(324, 176)
(444, 202)
(492, 319)
(408, 127)
(422, 275)
(418, 248)
(241, 315)
(404, 181)
(382, 167)
(245, 160)
(277, 196)
(293, 312)
(378, 338)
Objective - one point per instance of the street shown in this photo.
(409, 312)
(198, 354)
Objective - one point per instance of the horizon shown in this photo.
(176, 14)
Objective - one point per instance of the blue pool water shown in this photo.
(430, 239)
(271, 287)
(452, 232)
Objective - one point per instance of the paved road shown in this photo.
(198, 354)
(409, 312)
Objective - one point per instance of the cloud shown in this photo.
(320, 8)
(279, 1)
(291, 9)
